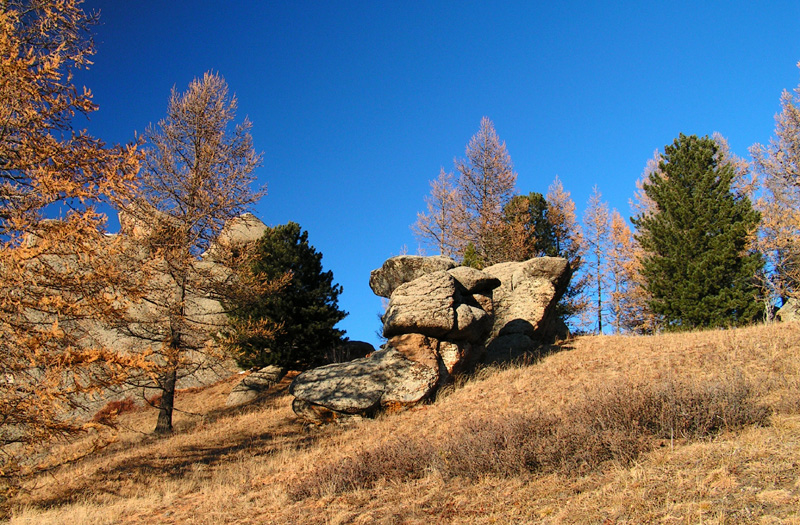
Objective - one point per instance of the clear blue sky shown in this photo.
(357, 105)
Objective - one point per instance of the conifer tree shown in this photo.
(55, 269)
(306, 310)
(596, 235)
(197, 175)
(474, 206)
(528, 222)
(568, 238)
(437, 226)
(697, 266)
(778, 167)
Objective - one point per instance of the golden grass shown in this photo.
(239, 466)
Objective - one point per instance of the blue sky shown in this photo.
(357, 105)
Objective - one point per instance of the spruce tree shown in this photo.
(306, 309)
(697, 265)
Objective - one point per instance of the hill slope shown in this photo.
(610, 429)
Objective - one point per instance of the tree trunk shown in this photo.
(165, 406)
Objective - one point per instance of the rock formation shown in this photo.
(254, 384)
(790, 311)
(439, 322)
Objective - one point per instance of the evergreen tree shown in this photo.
(530, 213)
(698, 270)
(306, 309)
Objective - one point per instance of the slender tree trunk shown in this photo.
(164, 424)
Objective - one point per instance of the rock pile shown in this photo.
(439, 321)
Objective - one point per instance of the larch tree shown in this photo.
(697, 265)
(596, 229)
(486, 183)
(197, 174)
(568, 238)
(466, 219)
(437, 226)
(778, 168)
(54, 257)
(621, 257)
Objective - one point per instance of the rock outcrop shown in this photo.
(524, 305)
(254, 384)
(790, 311)
(439, 321)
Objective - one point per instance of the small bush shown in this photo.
(108, 414)
(617, 424)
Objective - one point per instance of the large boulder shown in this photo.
(524, 304)
(253, 385)
(424, 306)
(385, 380)
(403, 269)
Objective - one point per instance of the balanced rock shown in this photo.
(253, 385)
(524, 304)
(386, 379)
(403, 269)
(424, 306)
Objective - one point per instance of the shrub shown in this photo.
(108, 414)
(615, 424)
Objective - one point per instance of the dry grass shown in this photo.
(664, 429)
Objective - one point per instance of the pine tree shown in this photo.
(696, 264)
(306, 309)
(528, 222)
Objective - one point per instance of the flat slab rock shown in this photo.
(254, 384)
(362, 386)
(403, 269)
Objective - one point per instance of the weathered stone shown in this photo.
(403, 269)
(364, 385)
(254, 384)
(790, 311)
(416, 347)
(423, 306)
(525, 301)
(474, 281)
(453, 356)
(472, 324)
(319, 414)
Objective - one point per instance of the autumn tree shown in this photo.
(437, 226)
(697, 265)
(306, 310)
(54, 278)
(528, 224)
(596, 236)
(778, 167)
(568, 238)
(474, 206)
(622, 274)
(196, 176)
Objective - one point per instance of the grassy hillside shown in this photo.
(679, 428)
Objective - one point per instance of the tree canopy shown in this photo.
(697, 263)
(306, 309)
